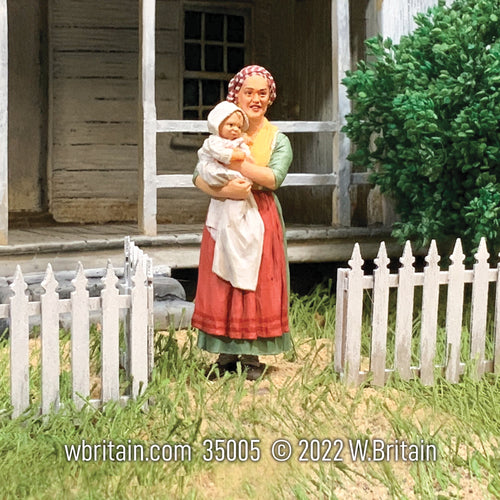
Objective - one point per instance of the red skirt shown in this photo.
(231, 312)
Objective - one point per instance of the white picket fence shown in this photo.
(349, 311)
(136, 301)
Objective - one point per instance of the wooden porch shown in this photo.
(175, 245)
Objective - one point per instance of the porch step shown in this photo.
(177, 246)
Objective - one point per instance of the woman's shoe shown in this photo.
(254, 372)
(216, 370)
(226, 363)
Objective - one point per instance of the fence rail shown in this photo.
(132, 304)
(351, 284)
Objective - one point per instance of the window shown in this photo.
(215, 48)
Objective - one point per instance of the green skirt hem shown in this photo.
(258, 347)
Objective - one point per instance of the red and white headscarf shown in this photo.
(238, 79)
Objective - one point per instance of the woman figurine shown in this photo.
(241, 325)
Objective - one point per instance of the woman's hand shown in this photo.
(236, 189)
(263, 176)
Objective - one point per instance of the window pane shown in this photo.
(192, 25)
(190, 114)
(214, 27)
(191, 95)
(235, 29)
(214, 58)
(192, 54)
(215, 45)
(235, 59)
(210, 92)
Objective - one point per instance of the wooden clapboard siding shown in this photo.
(188, 207)
(80, 39)
(95, 157)
(93, 99)
(117, 184)
(105, 65)
(120, 14)
(94, 85)
(99, 184)
(71, 132)
(95, 65)
(94, 13)
(94, 210)
(102, 111)
(396, 18)
(109, 158)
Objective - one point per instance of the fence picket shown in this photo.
(19, 345)
(430, 303)
(80, 326)
(454, 312)
(479, 307)
(404, 313)
(380, 316)
(49, 334)
(354, 317)
(340, 319)
(150, 316)
(139, 332)
(110, 337)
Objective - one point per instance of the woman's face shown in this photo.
(253, 97)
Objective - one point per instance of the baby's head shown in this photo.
(227, 120)
(232, 127)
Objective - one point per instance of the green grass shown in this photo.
(302, 399)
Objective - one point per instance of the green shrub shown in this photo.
(426, 122)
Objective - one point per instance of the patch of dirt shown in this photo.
(226, 480)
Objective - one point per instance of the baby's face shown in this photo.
(232, 127)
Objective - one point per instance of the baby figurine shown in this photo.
(235, 225)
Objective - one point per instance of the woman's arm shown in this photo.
(236, 189)
(260, 175)
(274, 174)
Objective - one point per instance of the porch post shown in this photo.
(4, 125)
(147, 119)
(341, 145)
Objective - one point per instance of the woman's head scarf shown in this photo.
(238, 79)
